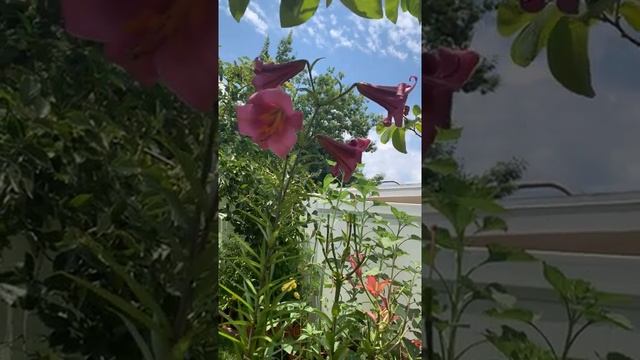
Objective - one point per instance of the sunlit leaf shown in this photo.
(296, 12)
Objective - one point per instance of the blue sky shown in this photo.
(374, 51)
(588, 145)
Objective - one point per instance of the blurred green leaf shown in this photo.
(568, 56)
(370, 9)
(511, 17)
(630, 11)
(296, 12)
(238, 7)
(500, 253)
(391, 9)
(533, 37)
(399, 141)
(444, 166)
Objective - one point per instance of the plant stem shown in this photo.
(545, 338)
(201, 228)
(571, 325)
(455, 310)
(465, 350)
(616, 24)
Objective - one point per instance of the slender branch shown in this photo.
(577, 334)
(544, 337)
(471, 346)
(200, 228)
(618, 26)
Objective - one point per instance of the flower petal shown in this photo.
(187, 63)
(98, 20)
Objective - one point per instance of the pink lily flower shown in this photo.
(347, 155)
(273, 75)
(446, 71)
(392, 98)
(173, 42)
(269, 119)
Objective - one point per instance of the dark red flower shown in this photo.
(392, 98)
(170, 41)
(268, 76)
(571, 7)
(533, 6)
(445, 72)
(347, 155)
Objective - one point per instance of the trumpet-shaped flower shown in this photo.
(392, 98)
(269, 119)
(446, 71)
(268, 76)
(168, 41)
(375, 287)
(347, 155)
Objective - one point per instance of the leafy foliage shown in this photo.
(90, 158)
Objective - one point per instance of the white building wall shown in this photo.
(617, 274)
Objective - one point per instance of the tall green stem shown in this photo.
(455, 306)
(204, 219)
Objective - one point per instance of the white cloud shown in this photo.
(334, 20)
(341, 40)
(256, 17)
(395, 166)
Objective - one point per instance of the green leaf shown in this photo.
(370, 9)
(630, 11)
(141, 293)
(533, 37)
(568, 56)
(442, 166)
(415, 8)
(557, 280)
(416, 110)
(448, 134)
(399, 141)
(618, 320)
(391, 9)
(80, 200)
(515, 345)
(139, 339)
(516, 314)
(596, 8)
(444, 239)
(500, 253)
(617, 356)
(490, 223)
(482, 204)
(511, 17)
(238, 7)
(296, 12)
(387, 133)
(115, 300)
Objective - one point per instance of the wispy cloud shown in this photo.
(374, 37)
(257, 18)
(395, 166)
(341, 40)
